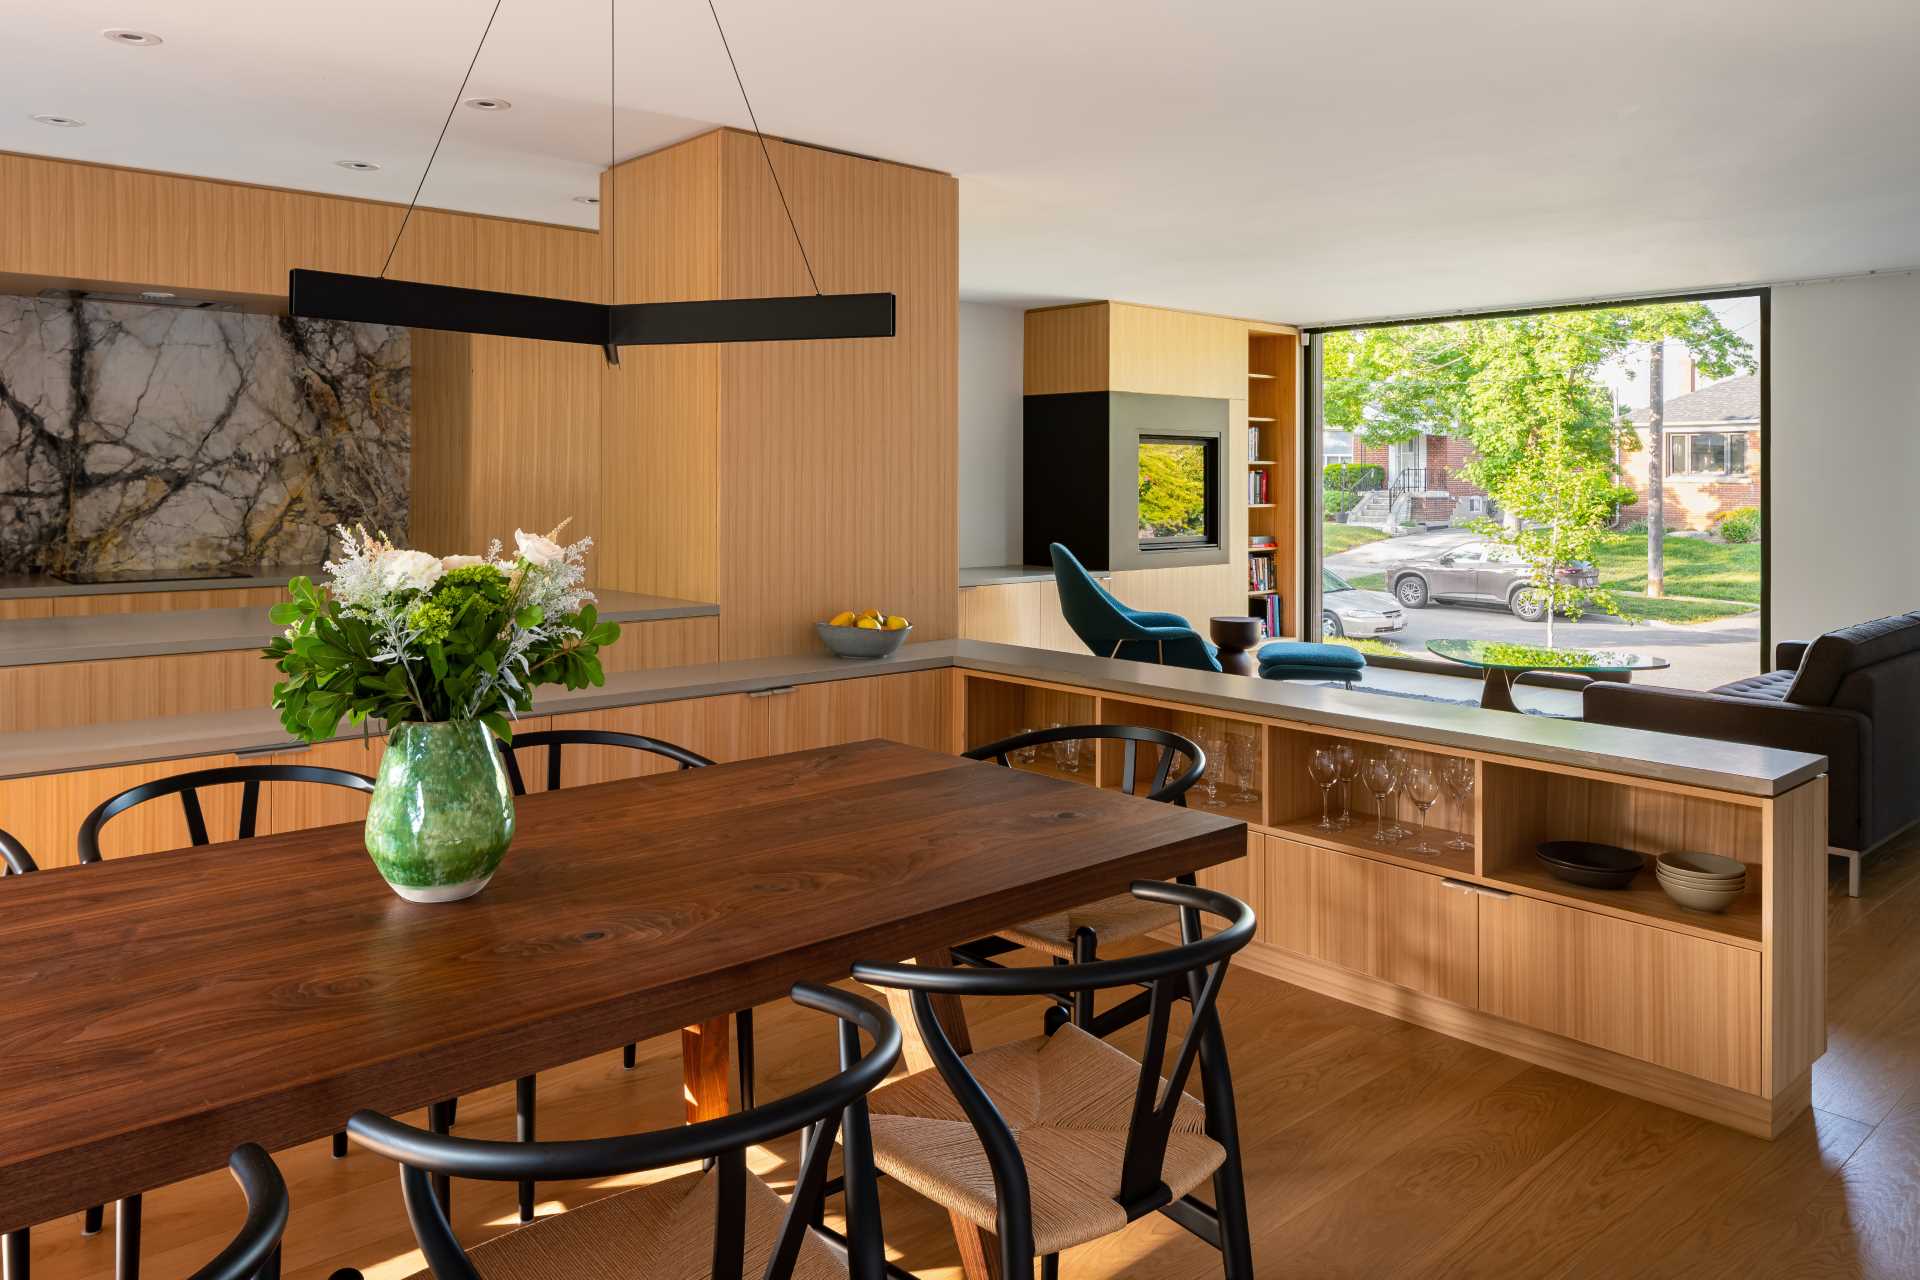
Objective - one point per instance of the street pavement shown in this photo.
(1703, 654)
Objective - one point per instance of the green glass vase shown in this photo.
(442, 814)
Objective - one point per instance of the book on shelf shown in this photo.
(1253, 443)
(1260, 574)
(1257, 488)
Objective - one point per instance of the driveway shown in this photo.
(1703, 654)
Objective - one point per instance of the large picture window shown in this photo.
(1635, 430)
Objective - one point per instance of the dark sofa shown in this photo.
(1852, 696)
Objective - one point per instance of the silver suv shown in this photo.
(1480, 572)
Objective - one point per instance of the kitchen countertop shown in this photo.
(1002, 574)
(30, 586)
(28, 641)
(1722, 766)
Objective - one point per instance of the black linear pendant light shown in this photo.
(331, 295)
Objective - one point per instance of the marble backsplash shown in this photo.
(157, 438)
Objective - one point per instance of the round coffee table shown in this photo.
(1502, 662)
(1237, 637)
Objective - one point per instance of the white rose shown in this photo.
(541, 552)
(450, 563)
(409, 570)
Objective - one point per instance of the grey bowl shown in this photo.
(1702, 866)
(1698, 899)
(861, 642)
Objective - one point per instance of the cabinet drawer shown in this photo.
(1372, 917)
(1669, 998)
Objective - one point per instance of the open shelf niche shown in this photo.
(1525, 806)
(1270, 450)
(999, 709)
(1295, 803)
(1235, 771)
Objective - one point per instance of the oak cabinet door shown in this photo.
(1669, 998)
(1388, 922)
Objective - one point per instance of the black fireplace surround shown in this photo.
(1082, 477)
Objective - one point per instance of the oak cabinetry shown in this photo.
(1669, 998)
(45, 812)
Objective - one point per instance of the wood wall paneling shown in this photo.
(839, 460)
(660, 435)
(44, 813)
(62, 695)
(1067, 349)
(670, 642)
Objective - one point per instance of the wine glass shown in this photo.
(1027, 754)
(1325, 772)
(1376, 774)
(1348, 761)
(1457, 773)
(1243, 756)
(1216, 764)
(1423, 788)
(1398, 761)
(1066, 754)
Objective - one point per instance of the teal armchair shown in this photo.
(1112, 630)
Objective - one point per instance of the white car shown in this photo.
(1346, 610)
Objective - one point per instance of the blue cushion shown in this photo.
(1314, 657)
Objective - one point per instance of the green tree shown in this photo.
(1500, 383)
(1173, 490)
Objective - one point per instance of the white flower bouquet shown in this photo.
(402, 635)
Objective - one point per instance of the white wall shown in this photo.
(992, 340)
(1844, 453)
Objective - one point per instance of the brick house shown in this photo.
(1712, 465)
(1430, 466)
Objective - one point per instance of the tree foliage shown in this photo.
(1173, 490)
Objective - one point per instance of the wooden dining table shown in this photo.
(158, 1011)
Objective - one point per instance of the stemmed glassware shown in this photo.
(1216, 764)
(1398, 762)
(1377, 775)
(1325, 772)
(1243, 755)
(1347, 760)
(1423, 788)
(1456, 773)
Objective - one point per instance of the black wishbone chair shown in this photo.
(1075, 936)
(15, 1248)
(555, 740)
(1071, 1138)
(250, 778)
(722, 1213)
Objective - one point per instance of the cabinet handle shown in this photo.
(1448, 882)
(768, 693)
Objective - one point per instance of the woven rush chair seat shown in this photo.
(662, 1231)
(1067, 1099)
(1111, 919)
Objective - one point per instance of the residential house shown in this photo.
(1711, 454)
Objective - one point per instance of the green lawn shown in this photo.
(1646, 608)
(1368, 581)
(1694, 567)
(1335, 538)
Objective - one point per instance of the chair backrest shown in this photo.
(257, 1243)
(1885, 650)
(1165, 785)
(188, 786)
(835, 1104)
(1192, 971)
(1089, 609)
(14, 858)
(555, 739)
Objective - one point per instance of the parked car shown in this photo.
(1346, 610)
(1480, 572)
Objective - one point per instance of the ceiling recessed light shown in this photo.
(488, 104)
(127, 35)
(358, 166)
(586, 199)
(61, 122)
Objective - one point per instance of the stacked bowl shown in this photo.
(1701, 881)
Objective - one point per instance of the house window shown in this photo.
(1707, 453)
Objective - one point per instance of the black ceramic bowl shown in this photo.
(1597, 866)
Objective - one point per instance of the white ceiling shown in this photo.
(1289, 161)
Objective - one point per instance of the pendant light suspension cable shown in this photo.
(458, 94)
(793, 226)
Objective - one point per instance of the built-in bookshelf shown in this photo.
(1270, 478)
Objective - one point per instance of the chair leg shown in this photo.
(440, 1120)
(270, 1269)
(1229, 1183)
(18, 1254)
(1050, 1267)
(126, 1239)
(1085, 944)
(95, 1219)
(629, 1056)
(523, 1106)
(743, 1046)
(340, 1146)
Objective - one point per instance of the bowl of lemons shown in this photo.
(867, 634)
